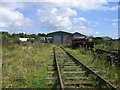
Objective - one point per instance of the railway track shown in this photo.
(116, 53)
(112, 55)
(69, 72)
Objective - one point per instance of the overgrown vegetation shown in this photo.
(106, 45)
(63, 58)
(21, 65)
(21, 61)
(99, 63)
(8, 38)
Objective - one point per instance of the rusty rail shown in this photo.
(89, 70)
(58, 70)
(107, 51)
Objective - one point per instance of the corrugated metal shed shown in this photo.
(77, 35)
(60, 37)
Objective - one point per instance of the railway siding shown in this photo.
(73, 73)
(90, 71)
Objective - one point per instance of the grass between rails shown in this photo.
(62, 56)
(20, 65)
(111, 72)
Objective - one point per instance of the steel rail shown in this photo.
(106, 51)
(58, 70)
(89, 70)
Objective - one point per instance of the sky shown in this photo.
(92, 18)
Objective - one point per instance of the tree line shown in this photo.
(23, 35)
(13, 38)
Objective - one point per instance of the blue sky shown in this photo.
(98, 18)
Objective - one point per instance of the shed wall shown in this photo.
(57, 39)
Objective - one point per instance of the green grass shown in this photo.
(107, 45)
(100, 64)
(20, 65)
(60, 55)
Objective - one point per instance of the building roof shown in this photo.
(106, 37)
(79, 37)
(78, 34)
(64, 33)
(58, 33)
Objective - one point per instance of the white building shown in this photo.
(25, 39)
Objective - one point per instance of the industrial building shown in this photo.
(77, 35)
(61, 37)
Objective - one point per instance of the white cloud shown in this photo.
(114, 20)
(80, 4)
(12, 19)
(80, 19)
(109, 8)
(67, 12)
(85, 30)
(3, 24)
(54, 14)
(82, 29)
(97, 33)
(114, 24)
(4, 30)
(96, 23)
(12, 5)
(55, 0)
(56, 19)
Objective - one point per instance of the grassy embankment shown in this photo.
(109, 71)
(20, 65)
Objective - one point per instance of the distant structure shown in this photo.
(42, 39)
(26, 39)
(61, 37)
(98, 38)
(106, 38)
(77, 35)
